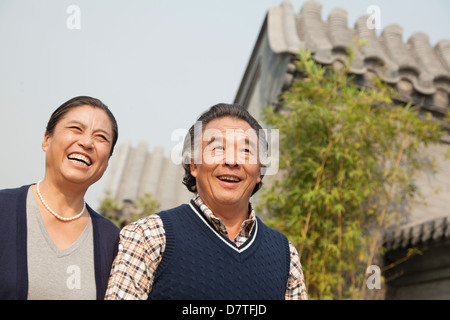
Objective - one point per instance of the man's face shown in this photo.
(230, 166)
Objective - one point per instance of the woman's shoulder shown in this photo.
(14, 192)
(104, 224)
(13, 199)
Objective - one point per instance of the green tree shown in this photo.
(348, 156)
(111, 209)
(145, 206)
(122, 214)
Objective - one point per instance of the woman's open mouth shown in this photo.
(80, 159)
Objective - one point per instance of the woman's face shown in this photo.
(79, 148)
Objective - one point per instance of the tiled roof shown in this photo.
(433, 230)
(424, 69)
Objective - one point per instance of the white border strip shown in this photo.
(221, 238)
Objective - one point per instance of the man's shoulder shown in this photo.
(151, 222)
(269, 229)
(180, 208)
(142, 223)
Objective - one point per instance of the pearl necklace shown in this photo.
(53, 212)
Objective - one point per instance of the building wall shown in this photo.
(434, 188)
(135, 171)
(266, 76)
(425, 276)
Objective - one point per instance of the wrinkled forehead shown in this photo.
(230, 136)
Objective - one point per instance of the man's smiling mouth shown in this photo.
(80, 159)
(229, 178)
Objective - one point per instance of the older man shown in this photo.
(215, 247)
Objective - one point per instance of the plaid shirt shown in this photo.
(142, 245)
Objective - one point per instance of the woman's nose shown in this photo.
(86, 142)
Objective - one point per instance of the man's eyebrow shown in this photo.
(214, 138)
(237, 139)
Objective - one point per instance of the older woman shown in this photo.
(52, 244)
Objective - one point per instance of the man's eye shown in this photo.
(246, 150)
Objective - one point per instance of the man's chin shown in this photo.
(230, 198)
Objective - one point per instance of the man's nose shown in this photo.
(231, 158)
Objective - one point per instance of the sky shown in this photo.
(157, 64)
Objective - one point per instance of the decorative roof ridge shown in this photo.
(415, 61)
(418, 233)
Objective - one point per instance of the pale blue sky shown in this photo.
(156, 63)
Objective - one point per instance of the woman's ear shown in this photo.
(45, 141)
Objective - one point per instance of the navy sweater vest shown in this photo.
(199, 263)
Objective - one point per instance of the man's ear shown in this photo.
(45, 141)
(259, 175)
(193, 169)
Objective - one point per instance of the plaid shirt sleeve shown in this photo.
(140, 251)
(296, 289)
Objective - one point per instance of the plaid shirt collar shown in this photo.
(246, 226)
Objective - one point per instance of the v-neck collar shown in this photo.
(35, 213)
(239, 249)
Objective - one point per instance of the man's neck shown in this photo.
(231, 215)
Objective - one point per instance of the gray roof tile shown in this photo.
(429, 231)
(416, 61)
